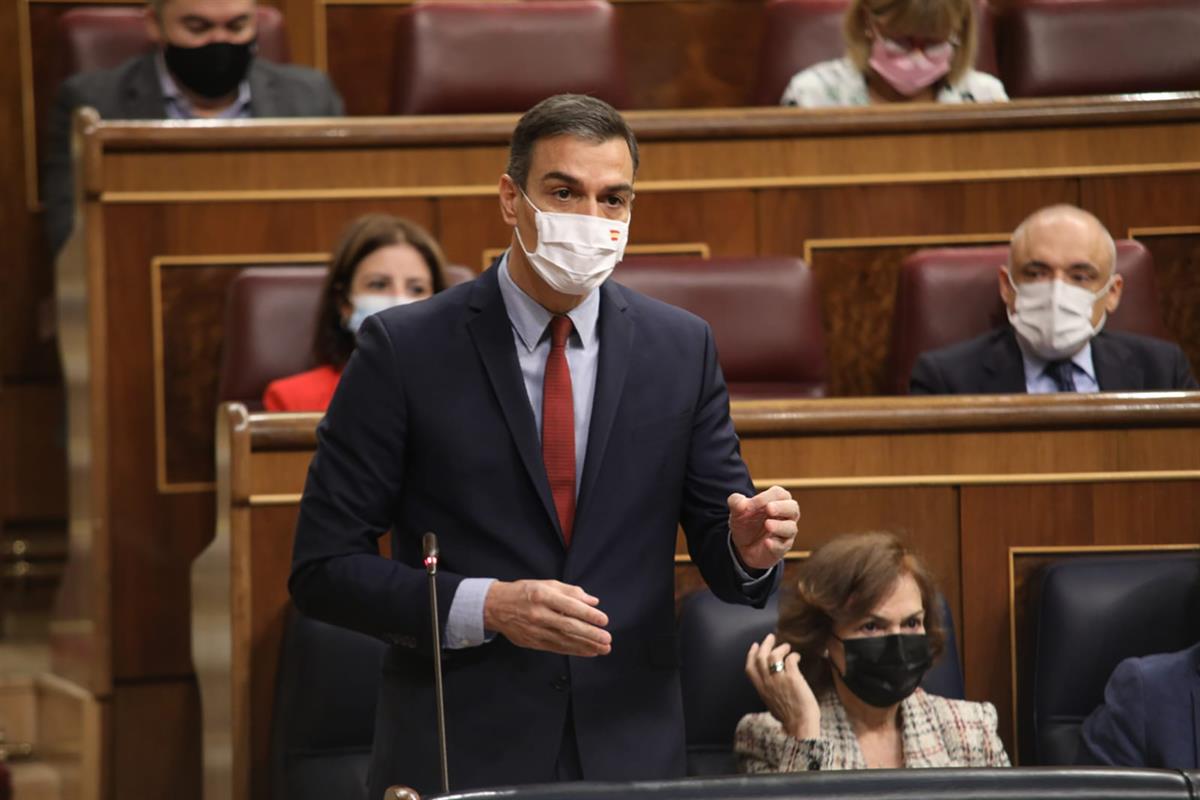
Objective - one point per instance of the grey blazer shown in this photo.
(132, 91)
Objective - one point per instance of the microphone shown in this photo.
(429, 547)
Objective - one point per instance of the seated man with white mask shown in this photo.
(1059, 286)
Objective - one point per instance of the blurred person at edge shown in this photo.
(900, 51)
(380, 262)
(856, 634)
(203, 66)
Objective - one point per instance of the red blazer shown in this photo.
(307, 391)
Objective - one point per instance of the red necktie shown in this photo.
(558, 426)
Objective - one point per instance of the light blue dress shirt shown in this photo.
(179, 107)
(1083, 372)
(531, 335)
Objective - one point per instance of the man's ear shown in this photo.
(1006, 290)
(153, 26)
(1113, 298)
(510, 196)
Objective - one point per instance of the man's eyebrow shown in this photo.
(617, 188)
(561, 177)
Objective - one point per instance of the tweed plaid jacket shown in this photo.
(936, 731)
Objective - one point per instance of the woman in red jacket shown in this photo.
(380, 262)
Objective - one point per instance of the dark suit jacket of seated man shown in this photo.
(144, 88)
(1150, 716)
(993, 364)
(1059, 285)
(571, 671)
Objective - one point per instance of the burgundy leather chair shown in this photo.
(1053, 48)
(949, 295)
(270, 319)
(800, 33)
(478, 58)
(764, 312)
(99, 38)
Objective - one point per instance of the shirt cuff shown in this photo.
(464, 624)
(748, 581)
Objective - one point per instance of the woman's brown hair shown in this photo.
(841, 582)
(332, 343)
(936, 19)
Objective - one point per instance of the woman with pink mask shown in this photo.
(900, 51)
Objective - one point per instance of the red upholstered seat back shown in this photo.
(464, 57)
(800, 33)
(99, 38)
(1054, 48)
(270, 319)
(764, 312)
(951, 294)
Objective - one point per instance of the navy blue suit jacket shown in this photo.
(1150, 716)
(431, 430)
(992, 364)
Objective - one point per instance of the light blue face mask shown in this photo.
(367, 304)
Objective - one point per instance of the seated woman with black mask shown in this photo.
(840, 681)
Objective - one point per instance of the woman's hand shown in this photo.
(786, 694)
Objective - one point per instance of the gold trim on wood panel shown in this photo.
(689, 185)
(269, 500)
(986, 479)
(320, 37)
(935, 240)
(156, 338)
(1176, 230)
(699, 249)
(791, 555)
(29, 116)
(1035, 550)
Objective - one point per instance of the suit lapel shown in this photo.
(491, 332)
(1004, 368)
(1196, 725)
(1115, 371)
(141, 94)
(615, 330)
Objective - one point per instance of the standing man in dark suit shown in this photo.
(1059, 286)
(203, 68)
(554, 428)
(1150, 716)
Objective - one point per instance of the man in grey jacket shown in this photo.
(203, 67)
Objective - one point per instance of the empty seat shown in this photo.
(713, 639)
(100, 38)
(475, 58)
(952, 294)
(270, 319)
(323, 723)
(800, 33)
(765, 315)
(1094, 613)
(1050, 48)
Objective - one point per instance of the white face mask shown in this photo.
(1055, 318)
(367, 304)
(575, 252)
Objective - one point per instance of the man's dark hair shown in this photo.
(572, 114)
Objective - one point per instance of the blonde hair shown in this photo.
(937, 19)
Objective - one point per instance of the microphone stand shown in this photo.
(430, 548)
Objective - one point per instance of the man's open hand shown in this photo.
(547, 615)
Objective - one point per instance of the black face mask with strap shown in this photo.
(883, 670)
(212, 70)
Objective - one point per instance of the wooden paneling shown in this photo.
(153, 759)
(1177, 265)
(33, 458)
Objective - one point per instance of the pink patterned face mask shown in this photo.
(909, 69)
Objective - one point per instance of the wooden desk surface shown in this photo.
(171, 211)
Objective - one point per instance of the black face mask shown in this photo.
(212, 70)
(883, 670)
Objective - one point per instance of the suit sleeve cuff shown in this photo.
(750, 578)
(464, 624)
